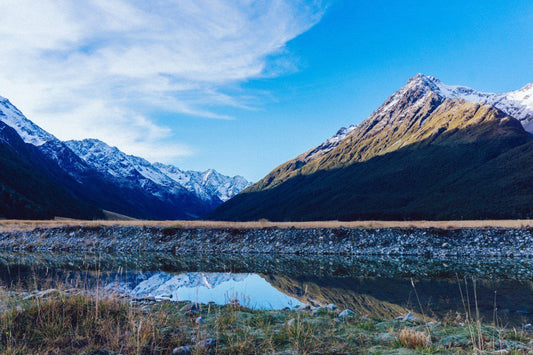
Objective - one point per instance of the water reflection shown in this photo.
(249, 290)
(373, 286)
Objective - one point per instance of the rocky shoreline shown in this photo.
(478, 242)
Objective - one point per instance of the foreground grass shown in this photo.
(78, 322)
(7, 224)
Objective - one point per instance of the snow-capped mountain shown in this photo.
(156, 178)
(105, 178)
(429, 151)
(518, 104)
(207, 184)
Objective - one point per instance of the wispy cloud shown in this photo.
(96, 68)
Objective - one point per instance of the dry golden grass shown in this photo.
(413, 339)
(59, 222)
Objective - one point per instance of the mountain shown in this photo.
(210, 186)
(418, 156)
(97, 175)
(28, 189)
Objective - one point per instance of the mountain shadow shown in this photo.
(27, 186)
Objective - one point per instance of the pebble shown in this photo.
(481, 242)
(193, 306)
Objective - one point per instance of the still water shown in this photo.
(384, 287)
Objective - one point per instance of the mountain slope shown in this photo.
(27, 190)
(400, 163)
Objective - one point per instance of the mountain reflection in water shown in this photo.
(372, 286)
(250, 290)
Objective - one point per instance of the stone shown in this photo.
(411, 318)
(346, 313)
(303, 307)
(331, 307)
(291, 322)
(193, 306)
(199, 320)
(182, 350)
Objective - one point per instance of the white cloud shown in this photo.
(95, 68)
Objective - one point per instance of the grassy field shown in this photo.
(72, 321)
(31, 224)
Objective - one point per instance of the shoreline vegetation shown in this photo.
(99, 322)
(16, 224)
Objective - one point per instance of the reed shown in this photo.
(80, 319)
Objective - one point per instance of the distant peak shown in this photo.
(425, 80)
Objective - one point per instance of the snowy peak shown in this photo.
(209, 184)
(518, 104)
(157, 178)
(26, 129)
(224, 187)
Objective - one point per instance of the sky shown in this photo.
(242, 86)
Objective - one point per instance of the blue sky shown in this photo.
(246, 91)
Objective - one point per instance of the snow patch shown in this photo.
(26, 129)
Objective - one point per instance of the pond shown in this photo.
(382, 287)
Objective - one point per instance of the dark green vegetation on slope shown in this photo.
(28, 192)
(427, 158)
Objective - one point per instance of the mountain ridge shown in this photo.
(418, 97)
(381, 168)
(111, 160)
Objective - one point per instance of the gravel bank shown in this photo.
(485, 242)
